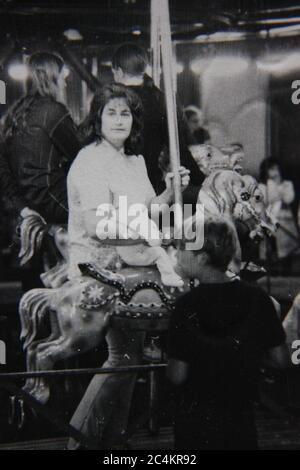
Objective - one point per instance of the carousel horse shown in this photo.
(78, 311)
(209, 158)
(237, 197)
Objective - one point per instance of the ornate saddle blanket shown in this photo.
(138, 294)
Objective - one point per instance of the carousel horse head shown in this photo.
(227, 193)
(255, 216)
(210, 158)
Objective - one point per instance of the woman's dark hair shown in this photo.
(265, 166)
(133, 143)
(44, 70)
(131, 58)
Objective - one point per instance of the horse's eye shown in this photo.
(245, 196)
(258, 197)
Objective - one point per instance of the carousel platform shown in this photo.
(275, 433)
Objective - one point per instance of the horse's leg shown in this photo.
(31, 367)
(80, 331)
(48, 354)
(41, 388)
(33, 383)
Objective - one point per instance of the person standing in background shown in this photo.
(197, 134)
(41, 141)
(279, 195)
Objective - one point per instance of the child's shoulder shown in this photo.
(190, 299)
(210, 292)
(252, 289)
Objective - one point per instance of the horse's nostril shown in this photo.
(245, 196)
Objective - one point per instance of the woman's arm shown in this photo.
(161, 203)
(287, 192)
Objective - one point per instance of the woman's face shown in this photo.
(195, 121)
(274, 173)
(116, 122)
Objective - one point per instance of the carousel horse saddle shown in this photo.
(143, 302)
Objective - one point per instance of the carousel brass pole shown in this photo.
(168, 75)
(155, 43)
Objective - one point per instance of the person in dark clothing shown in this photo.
(129, 65)
(40, 143)
(197, 134)
(219, 333)
(7, 183)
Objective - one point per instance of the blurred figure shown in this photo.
(197, 134)
(41, 141)
(279, 195)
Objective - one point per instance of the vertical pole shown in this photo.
(168, 75)
(155, 43)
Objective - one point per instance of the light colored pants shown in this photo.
(143, 255)
(104, 409)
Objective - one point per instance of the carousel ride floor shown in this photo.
(275, 433)
(277, 419)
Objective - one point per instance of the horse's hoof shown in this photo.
(12, 410)
(29, 386)
(42, 394)
(17, 414)
(21, 415)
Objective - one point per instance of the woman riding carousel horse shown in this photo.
(105, 170)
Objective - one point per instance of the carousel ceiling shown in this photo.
(114, 21)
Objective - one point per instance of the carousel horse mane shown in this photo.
(221, 191)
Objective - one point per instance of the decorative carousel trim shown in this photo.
(126, 294)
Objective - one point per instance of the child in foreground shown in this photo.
(219, 333)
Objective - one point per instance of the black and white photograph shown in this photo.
(150, 227)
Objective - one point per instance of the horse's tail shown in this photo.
(32, 231)
(33, 308)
